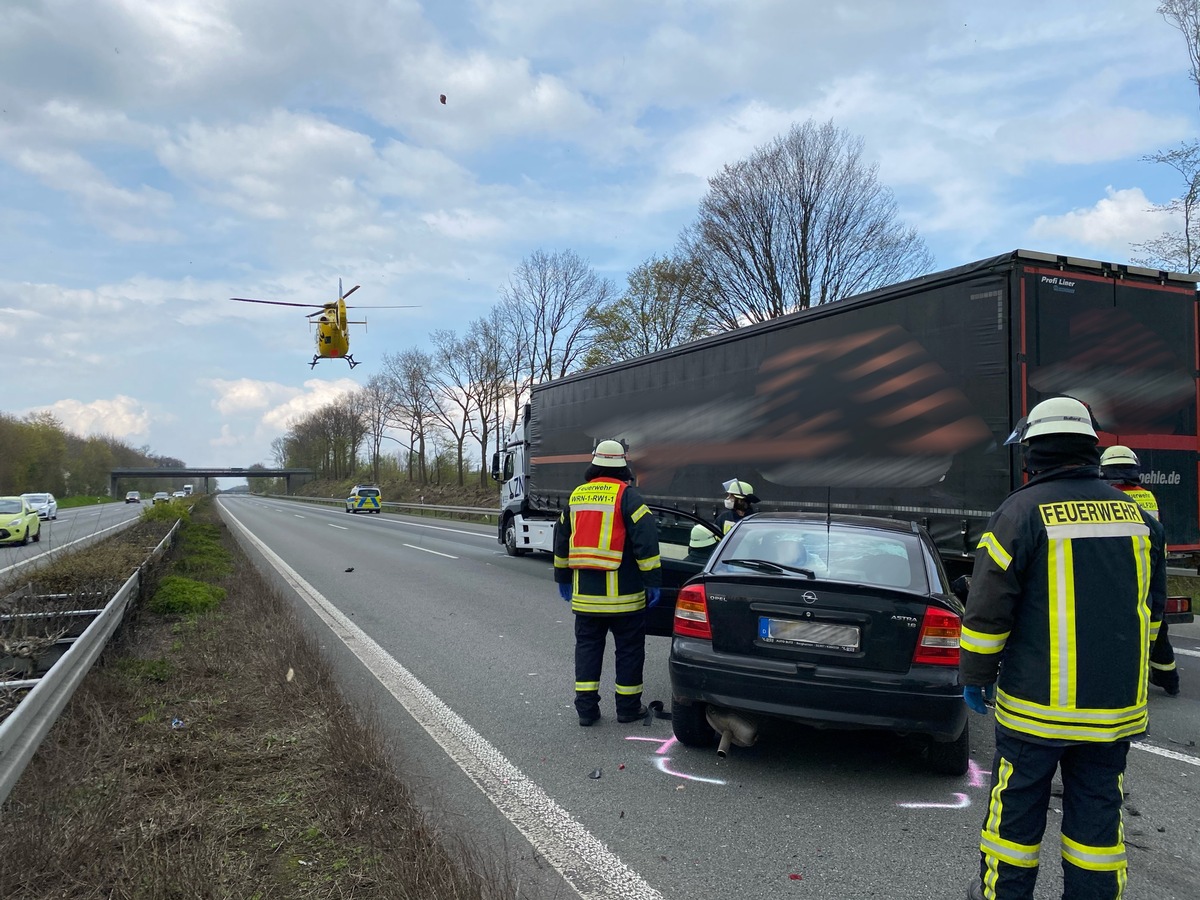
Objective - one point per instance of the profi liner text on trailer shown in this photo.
(893, 403)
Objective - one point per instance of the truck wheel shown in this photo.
(952, 757)
(690, 724)
(510, 540)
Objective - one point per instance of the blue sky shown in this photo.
(159, 158)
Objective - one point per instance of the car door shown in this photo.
(674, 532)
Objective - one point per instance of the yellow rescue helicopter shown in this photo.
(333, 327)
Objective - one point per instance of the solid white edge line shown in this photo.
(427, 550)
(584, 861)
(1187, 652)
(1169, 754)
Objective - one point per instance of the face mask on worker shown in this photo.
(730, 503)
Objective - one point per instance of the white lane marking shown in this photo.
(490, 537)
(594, 871)
(1169, 754)
(427, 550)
(1186, 652)
(341, 527)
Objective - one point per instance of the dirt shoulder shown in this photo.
(211, 755)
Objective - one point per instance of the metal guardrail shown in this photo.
(388, 504)
(23, 731)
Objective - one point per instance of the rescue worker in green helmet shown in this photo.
(1121, 468)
(1068, 587)
(606, 565)
(739, 503)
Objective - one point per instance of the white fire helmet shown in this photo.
(701, 537)
(1058, 415)
(609, 454)
(1119, 455)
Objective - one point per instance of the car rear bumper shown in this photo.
(926, 700)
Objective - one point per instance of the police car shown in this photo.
(363, 498)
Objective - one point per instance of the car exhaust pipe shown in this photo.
(733, 729)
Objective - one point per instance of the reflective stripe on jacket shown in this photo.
(1068, 587)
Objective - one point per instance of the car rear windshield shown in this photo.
(10, 506)
(37, 498)
(368, 492)
(839, 553)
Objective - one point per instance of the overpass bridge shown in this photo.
(202, 474)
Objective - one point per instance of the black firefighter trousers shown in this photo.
(629, 637)
(1093, 850)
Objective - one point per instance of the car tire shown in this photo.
(689, 721)
(25, 538)
(951, 757)
(510, 540)
(37, 538)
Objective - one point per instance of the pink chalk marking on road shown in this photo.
(661, 762)
(663, 745)
(962, 801)
(976, 774)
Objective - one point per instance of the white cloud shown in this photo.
(119, 417)
(1122, 218)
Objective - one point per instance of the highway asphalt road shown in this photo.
(74, 527)
(466, 655)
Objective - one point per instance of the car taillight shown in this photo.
(691, 613)
(1178, 605)
(937, 644)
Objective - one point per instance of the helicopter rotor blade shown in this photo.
(349, 292)
(277, 302)
(348, 306)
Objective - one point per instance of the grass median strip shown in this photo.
(210, 754)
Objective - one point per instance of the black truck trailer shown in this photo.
(892, 403)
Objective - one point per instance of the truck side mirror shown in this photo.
(496, 466)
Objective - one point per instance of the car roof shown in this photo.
(902, 526)
(37, 494)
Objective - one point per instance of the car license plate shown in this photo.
(812, 634)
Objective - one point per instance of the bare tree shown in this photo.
(1179, 250)
(451, 387)
(378, 403)
(486, 355)
(550, 301)
(662, 307)
(802, 221)
(408, 376)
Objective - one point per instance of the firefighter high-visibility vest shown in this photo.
(597, 526)
(1139, 495)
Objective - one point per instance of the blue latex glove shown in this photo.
(564, 590)
(653, 595)
(973, 697)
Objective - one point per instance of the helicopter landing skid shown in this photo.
(350, 359)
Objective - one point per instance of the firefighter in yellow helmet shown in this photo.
(1121, 468)
(739, 503)
(1068, 588)
(606, 565)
